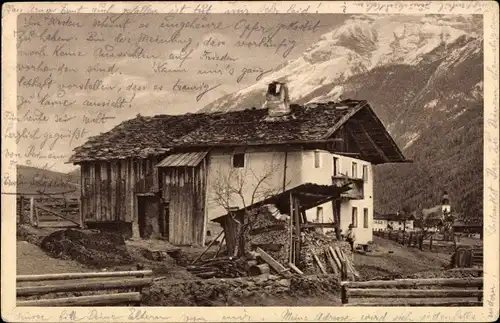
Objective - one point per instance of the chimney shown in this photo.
(277, 99)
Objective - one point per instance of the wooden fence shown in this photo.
(411, 239)
(414, 292)
(48, 211)
(126, 287)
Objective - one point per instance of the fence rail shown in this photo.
(414, 292)
(129, 288)
(43, 211)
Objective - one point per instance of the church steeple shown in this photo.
(445, 203)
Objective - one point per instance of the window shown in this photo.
(354, 170)
(238, 160)
(319, 214)
(335, 166)
(365, 173)
(355, 217)
(365, 218)
(317, 159)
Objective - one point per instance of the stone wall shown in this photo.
(228, 291)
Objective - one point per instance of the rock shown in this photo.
(284, 282)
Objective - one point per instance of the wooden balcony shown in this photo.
(357, 186)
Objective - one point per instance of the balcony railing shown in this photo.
(357, 186)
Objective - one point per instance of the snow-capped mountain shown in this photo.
(359, 45)
(424, 77)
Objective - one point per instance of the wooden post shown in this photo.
(430, 242)
(22, 216)
(296, 211)
(292, 246)
(344, 270)
(32, 211)
(82, 221)
(344, 294)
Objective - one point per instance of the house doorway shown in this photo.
(148, 215)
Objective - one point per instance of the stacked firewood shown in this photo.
(223, 267)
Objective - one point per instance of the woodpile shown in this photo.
(269, 231)
(324, 254)
(219, 268)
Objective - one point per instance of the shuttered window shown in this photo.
(317, 159)
(336, 166)
(354, 170)
(365, 218)
(354, 217)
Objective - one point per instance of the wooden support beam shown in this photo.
(296, 210)
(318, 225)
(304, 216)
(306, 194)
(344, 118)
(335, 258)
(294, 268)
(321, 267)
(377, 148)
(83, 286)
(70, 276)
(331, 262)
(94, 300)
(208, 247)
(279, 268)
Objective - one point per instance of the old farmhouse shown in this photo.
(167, 175)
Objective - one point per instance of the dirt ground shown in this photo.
(389, 258)
(32, 260)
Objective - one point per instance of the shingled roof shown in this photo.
(144, 136)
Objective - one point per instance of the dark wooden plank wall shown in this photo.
(109, 187)
(184, 188)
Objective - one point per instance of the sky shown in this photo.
(82, 74)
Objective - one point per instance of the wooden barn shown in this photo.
(151, 177)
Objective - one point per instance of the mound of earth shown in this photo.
(95, 249)
(30, 234)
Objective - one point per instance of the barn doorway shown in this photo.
(148, 215)
(164, 219)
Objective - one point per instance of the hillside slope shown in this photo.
(31, 180)
(434, 110)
